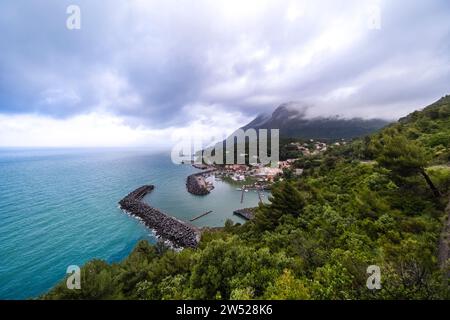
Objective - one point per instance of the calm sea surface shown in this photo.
(59, 208)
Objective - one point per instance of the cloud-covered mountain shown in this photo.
(294, 123)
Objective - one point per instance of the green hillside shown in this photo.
(430, 127)
(378, 201)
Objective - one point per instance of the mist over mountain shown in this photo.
(293, 122)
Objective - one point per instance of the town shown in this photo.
(259, 176)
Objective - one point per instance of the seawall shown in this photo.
(180, 233)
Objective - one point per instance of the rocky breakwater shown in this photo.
(197, 184)
(179, 233)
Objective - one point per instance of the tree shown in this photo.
(242, 294)
(405, 158)
(286, 199)
(227, 266)
(287, 287)
(97, 283)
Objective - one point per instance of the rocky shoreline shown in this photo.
(179, 233)
(196, 183)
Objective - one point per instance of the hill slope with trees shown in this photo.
(377, 201)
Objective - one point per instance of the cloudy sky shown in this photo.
(143, 72)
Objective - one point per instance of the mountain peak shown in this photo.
(292, 121)
(290, 109)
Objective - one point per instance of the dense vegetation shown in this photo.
(377, 201)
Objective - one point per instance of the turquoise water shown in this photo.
(59, 208)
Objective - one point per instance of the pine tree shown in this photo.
(405, 158)
(286, 199)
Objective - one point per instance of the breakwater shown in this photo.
(197, 184)
(179, 233)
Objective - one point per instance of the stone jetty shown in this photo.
(196, 183)
(179, 233)
(246, 213)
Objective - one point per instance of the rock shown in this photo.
(197, 185)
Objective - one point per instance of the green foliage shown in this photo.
(97, 278)
(403, 157)
(400, 155)
(228, 265)
(441, 176)
(287, 287)
(286, 199)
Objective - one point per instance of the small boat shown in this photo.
(246, 190)
(238, 189)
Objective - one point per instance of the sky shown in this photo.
(145, 73)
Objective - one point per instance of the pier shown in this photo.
(179, 233)
(200, 216)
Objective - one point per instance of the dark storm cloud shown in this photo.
(149, 61)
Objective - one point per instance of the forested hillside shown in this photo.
(377, 201)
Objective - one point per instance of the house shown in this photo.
(238, 177)
(286, 164)
(236, 167)
(268, 173)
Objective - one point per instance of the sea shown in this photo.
(59, 207)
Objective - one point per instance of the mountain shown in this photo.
(293, 123)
